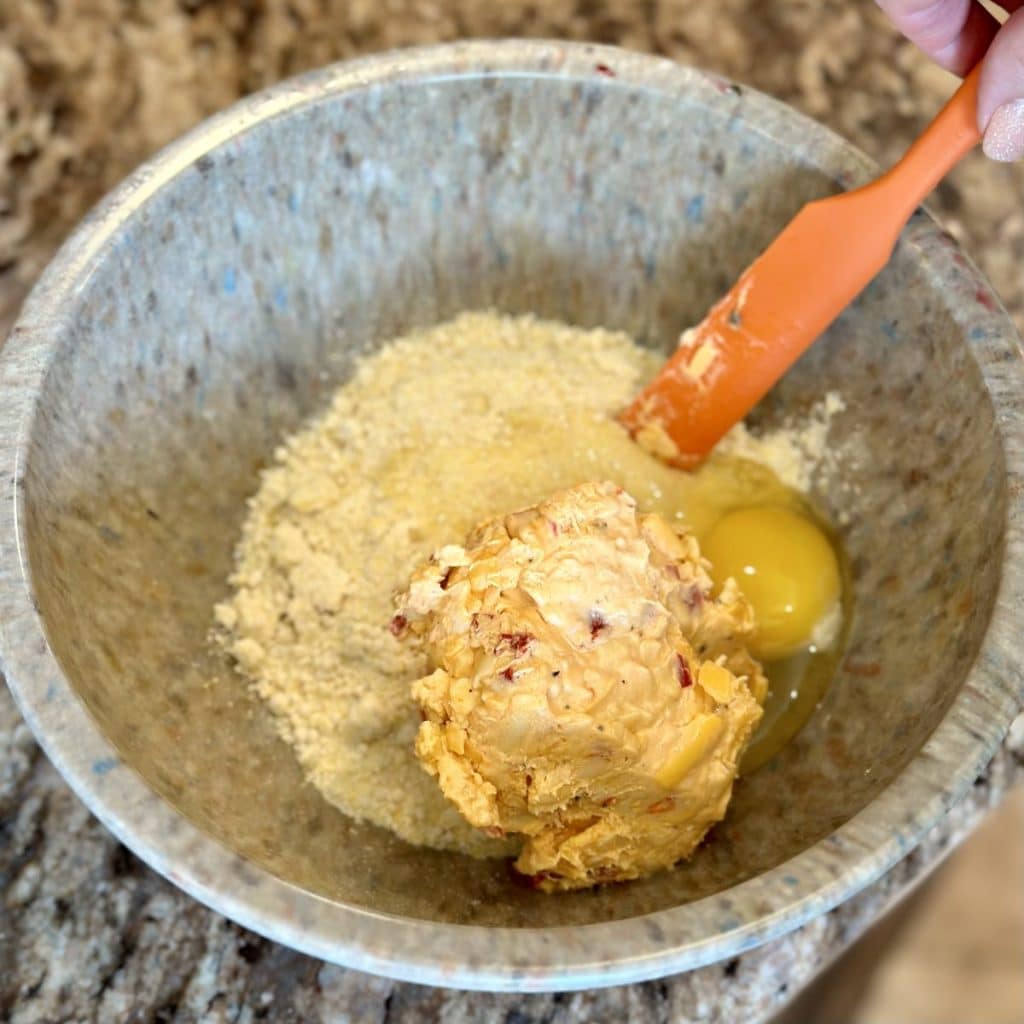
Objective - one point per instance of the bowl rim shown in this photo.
(711, 929)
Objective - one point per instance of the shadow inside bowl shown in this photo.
(235, 302)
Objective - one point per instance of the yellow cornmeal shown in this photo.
(432, 434)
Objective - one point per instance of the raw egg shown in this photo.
(786, 567)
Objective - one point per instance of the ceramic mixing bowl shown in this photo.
(214, 301)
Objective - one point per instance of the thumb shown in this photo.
(1001, 93)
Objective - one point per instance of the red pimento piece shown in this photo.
(398, 624)
(597, 623)
(518, 643)
(603, 69)
(537, 880)
(683, 673)
(507, 674)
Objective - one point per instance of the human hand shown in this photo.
(956, 33)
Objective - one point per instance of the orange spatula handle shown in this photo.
(937, 150)
(819, 263)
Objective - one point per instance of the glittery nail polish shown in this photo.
(1004, 134)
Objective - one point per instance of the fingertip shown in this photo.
(954, 33)
(1002, 75)
(1004, 135)
(976, 36)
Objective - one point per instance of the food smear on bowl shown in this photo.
(588, 691)
(434, 433)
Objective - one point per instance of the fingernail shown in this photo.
(1004, 134)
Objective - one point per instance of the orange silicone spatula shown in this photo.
(822, 260)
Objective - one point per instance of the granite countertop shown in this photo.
(86, 931)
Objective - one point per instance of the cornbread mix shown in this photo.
(433, 434)
(589, 691)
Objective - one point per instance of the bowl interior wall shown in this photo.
(236, 301)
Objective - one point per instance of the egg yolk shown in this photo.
(786, 568)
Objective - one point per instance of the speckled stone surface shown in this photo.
(654, 1001)
(88, 933)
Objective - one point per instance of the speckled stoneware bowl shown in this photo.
(217, 298)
